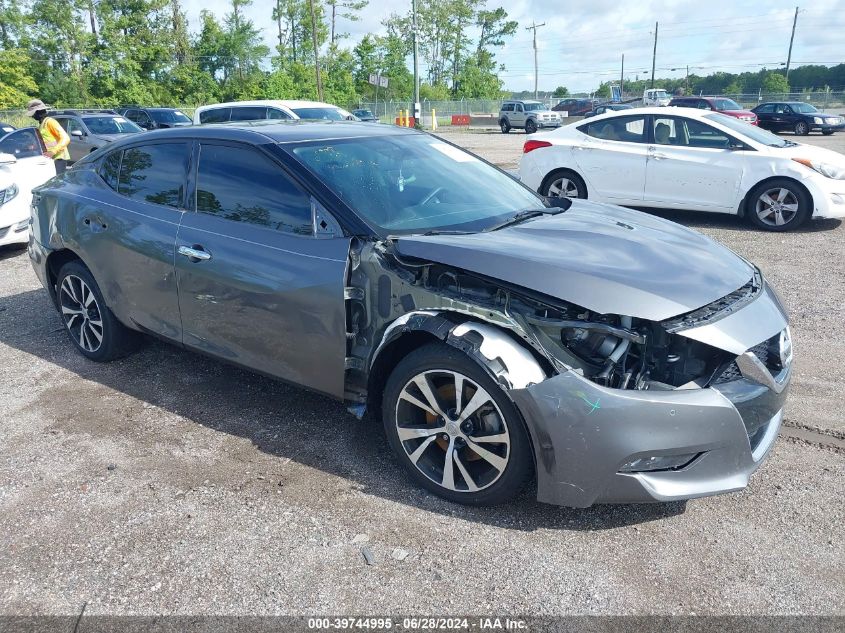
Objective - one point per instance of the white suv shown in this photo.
(270, 109)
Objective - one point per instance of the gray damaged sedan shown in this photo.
(500, 336)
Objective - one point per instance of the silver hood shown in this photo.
(604, 258)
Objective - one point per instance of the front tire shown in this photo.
(779, 205)
(505, 125)
(453, 428)
(90, 324)
(563, 183)
(802, 129)
(530, 126)
(827, 132)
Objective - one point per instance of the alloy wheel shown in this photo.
(452, 430)
(777, 206)
(563, 188)
(81, 313)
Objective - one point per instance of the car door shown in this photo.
(691, 165)
(127, 232)
(80, 140)
(257, 285)
(612, 158)
(518, 116)
(765, 115)
(782, 119)
(32, 167)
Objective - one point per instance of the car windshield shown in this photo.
(363, 113)
(726, 104)
(169, 116)
(331, 114)
(110, 125)
(415, 183)
(530, 107)
(659, 94)
(750, 131)
(803, 108)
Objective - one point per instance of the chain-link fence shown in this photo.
(485, 110)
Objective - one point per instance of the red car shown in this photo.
(717, 104)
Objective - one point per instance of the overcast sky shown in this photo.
(583, 41)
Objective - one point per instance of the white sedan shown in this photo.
(683, 158)
(22, 167)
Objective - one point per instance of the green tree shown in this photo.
(774, 83)
(561, 91)
(12, 23)
(346, 9)
(16, 85)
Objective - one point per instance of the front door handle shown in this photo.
(195, 253)
(658, 156)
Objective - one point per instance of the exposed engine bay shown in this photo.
(615, 351)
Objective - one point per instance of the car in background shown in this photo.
(502, 338)
(608, 107)
(366, 115)
(270, 109)
(716, 104)
(5, 128)
(576, 107)
(528, 115)
(155, 118)
(23, 167)
(91, 129)
(688, 159)
(798, 117)
(656, 97)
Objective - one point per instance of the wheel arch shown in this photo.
(55, 260)
(510, 363)
(746, 199)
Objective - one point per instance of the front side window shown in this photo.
(767, 108)
(533, 107)
(630, 129)
(243, 185)
(215, 115)
(24, 143)
(414, 183)
(803, 108)
(154, 173)
(330, 114)
(110, 125)
(280, 115)
(169, 116)
(248, 113)
(518, 107)
(726, 104)
(688, 133)
(74, 126)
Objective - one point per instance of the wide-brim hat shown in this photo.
(34, 106)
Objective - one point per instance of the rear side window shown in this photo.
(508, 107)
(242, 185)
(217, 115)
(765, 109)
(110, 169)
(24, 143)
(628, 128)
(154, 173)
(248, 113)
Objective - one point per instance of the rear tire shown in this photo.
(90, 324)
(505, 125)
(779, 205)
(802, 129)
(530, 126)
(447, 456)
(563, 183)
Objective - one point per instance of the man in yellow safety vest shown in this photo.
(55, 138)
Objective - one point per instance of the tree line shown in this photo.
(110, 52)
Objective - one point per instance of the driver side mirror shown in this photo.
(8, 158)
(77, 133)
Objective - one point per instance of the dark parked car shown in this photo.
(798, 117)
(5, 128)
(155, 118)
(366, 115)
(576, 107)
(608, 107)
(716, 104)
(495, 332)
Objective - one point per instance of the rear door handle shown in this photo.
(195, 253)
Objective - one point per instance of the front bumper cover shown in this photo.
(584, 433)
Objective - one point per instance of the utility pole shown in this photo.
(316, 52)
(622, 79)
(792, 37)
(654, 55)
(534, 26)
(417, 112)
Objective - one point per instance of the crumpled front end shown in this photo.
(598, 444)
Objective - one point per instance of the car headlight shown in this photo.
(7, 194)
(825, 169)
(818, 120)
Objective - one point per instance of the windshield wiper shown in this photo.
(527, 214)
(448, 232)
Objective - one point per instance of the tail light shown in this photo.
(530, 146)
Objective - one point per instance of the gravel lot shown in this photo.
(170, 483)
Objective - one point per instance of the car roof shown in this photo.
(273, 131)
(268, 102)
